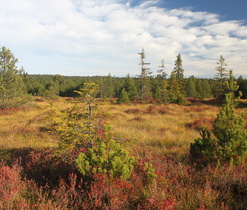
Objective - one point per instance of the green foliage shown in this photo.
(178, 70)
(231, 137)
(204, 148)
(191, 87)
(203, 89)
(176, 83)
(130, 88)
(12, 90)
(51, 90)
(123, 97)
(229, 130)
(107, 157)
(74, 126)
(162, 91)
(242, 86)
(88, 92)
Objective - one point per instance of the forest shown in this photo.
(154, 141)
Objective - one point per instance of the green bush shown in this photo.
(106, 156)
(204, 148)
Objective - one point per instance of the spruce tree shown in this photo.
(123, 97)
(130, 88)
(144, 77)
(221, 77)
(178, 70)
(176, 84)
(174, 89)
(229, 128)
(230, 136)
(164, 83)
(191, 87)
(206, 89)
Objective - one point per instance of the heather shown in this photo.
(37, 172)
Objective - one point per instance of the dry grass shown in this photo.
(161, 135)
(20, 127)
(167, 128)
(162, 126)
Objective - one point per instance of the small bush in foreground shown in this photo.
(107, 157)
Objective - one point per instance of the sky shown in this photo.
(102, 37)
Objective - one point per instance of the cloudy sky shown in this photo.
(98, 37)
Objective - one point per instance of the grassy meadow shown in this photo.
(155, 133)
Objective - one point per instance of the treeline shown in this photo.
(110, 87)
(16, 85)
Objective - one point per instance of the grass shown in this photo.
(161, 126)
(20, 127)
(168, 128)
(158, 134)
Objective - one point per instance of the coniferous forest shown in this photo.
(152, 141)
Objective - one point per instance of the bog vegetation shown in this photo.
(122, 143)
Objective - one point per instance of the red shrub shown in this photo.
(48, 167)
(10, 184)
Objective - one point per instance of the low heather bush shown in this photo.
(10, 185)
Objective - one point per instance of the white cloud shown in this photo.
(97, 37)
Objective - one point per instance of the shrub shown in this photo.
(106, 156)
(74, 126)
(10, 185)
(204, 148)
(47, 167)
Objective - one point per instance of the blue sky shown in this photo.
(98, 37)
(226, 9)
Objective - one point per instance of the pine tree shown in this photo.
(107, 157)
(12, 87)
(145, 72)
